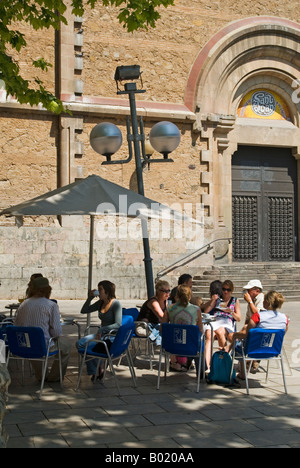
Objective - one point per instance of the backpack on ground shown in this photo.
(220, 369)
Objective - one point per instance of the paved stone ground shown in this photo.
(173, 417)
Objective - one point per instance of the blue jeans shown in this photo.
(91, 365)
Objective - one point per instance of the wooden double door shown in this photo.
(264, 200)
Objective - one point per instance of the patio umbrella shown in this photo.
(96, 196)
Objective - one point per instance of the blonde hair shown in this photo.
(274, 299)
(184, 294)
(161, 284)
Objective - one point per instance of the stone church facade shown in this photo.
(227, 74)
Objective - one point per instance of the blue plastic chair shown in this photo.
(3, 326)
(2, 334)
(181, 340)
(260, 344)
(119, 348)
(28, 343)
(134, 312)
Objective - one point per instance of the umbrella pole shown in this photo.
(91, 255)
(147, 259)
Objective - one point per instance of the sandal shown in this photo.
(175, 367)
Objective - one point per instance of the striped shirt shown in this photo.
(40, 312)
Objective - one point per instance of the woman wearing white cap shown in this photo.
(254, 298)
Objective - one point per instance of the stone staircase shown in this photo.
(282, 277)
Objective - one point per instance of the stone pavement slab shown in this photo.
(175, 417)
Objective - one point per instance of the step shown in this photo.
(265, 283)
(284, 277)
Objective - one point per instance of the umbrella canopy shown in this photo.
(94, 196)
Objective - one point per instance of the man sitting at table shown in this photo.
(39, 311)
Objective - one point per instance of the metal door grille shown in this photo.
(245, 228)
(280, 217)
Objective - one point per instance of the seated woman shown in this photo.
(226, 311)
(110, 313)
(184, 313)
(215, 288)
(269, 318)
(152, 311)
(39, 311)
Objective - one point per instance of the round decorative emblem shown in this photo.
(263, 103)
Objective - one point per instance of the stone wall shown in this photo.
(28, 156)
(30, 167)
(61, 253)
(167, 53)
(39, 151)
(39, 44)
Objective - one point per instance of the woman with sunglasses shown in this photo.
(227, 311)
(152, 311)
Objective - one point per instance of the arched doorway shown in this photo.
(264, 186)
(250, 56)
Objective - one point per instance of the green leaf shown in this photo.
(42, 64)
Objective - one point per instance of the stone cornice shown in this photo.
(111, 107)
(117, 106)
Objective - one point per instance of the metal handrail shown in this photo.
(195, 254)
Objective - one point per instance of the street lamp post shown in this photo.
(106, 139)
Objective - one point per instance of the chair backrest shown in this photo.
(264, 343)
(181, 339)
(3, 327)
(127, 319)
(26, 342)
(122, 338)
(133, 311)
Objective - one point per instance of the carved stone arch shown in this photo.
(251, 46)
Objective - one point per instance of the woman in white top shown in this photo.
(269, 318)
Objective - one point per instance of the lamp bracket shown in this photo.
(161, 160)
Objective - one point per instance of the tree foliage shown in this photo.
(41, 14)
